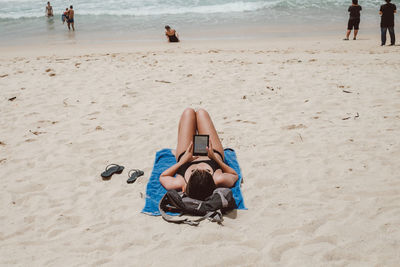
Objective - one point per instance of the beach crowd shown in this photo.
(386, 12)
(67, 16)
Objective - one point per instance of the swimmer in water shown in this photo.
(49, 10)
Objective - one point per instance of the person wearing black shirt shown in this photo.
(354, 19)
(387, 12)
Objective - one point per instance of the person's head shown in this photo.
(66, 9)
(167, 27)
(48, 3)
(200, 185)
(71, 7)
(388, 1)
(355, 2)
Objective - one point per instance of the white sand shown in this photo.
(321, 166)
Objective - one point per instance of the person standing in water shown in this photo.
(70, 19)
(171, 34)
(387, 12)
(64, 16)
(354, 20)
(49, 10)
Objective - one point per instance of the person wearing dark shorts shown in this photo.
(70, 19)
(354, 19)
(387, 12)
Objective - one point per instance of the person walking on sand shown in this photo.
(354, 20)
(171, 34)
(49, 10)
(70, 18)
(387, 12)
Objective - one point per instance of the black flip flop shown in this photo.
(111, 169)
(136, 173)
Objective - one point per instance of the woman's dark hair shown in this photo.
(201, 185)
(167, 27)
(388, 1)
(355, 2)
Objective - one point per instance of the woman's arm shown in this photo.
(228, 177)
(170, 182)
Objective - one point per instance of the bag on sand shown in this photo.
(212, 208)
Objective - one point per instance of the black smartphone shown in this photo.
(200, 143)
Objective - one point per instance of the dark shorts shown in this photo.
(70, 20)
(353, 23)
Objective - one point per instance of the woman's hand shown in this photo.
(188, 156)
(210, 151)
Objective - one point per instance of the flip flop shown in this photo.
(111, 169)
(136, 173)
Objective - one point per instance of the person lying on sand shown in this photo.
(171, 34)
(198, 176)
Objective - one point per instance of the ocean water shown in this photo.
(145, 19)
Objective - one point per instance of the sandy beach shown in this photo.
(315, 124)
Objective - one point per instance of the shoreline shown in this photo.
(125, 46)
(231, 37)
(53, 32)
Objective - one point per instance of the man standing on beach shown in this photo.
(49, 10)
(387, 21)
(70, 19)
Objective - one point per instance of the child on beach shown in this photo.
(64, 16)
(171, 34)
(354, 19)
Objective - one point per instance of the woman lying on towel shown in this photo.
(198, 176)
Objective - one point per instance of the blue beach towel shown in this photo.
(165, 159)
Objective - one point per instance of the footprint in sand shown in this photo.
(322, 239)
(276, 252)
(294, 126)
(36, 132)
